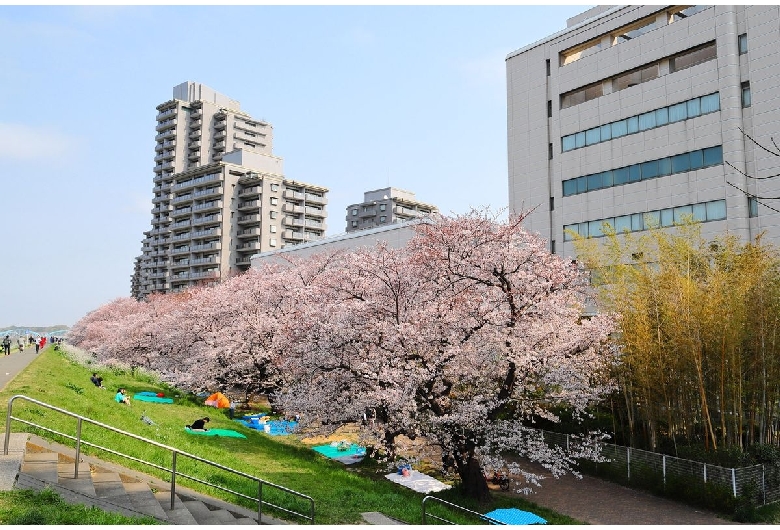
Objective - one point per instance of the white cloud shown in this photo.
(23, 142)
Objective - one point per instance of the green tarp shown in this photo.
(217, 432)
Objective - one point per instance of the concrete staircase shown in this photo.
(36, 464)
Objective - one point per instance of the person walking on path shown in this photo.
(7, 345)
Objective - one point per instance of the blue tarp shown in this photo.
(275, 427)
(515, 516)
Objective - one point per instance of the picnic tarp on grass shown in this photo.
(418, 482)
(351, 455)
(274, 427)
(228, 433)
(151, 397)
(515, 516)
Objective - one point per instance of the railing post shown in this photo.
(705, 472)
(78, 448)
(734, 482)
(763, 482)
(663, 459)
(173, 479)
(628, 462)
(423, 509)
(8, 426)
(259, 502)
(311, 510)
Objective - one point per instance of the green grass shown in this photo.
(27, 507)
(340, 493)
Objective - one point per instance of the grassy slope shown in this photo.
(26, 507)
(340, 493)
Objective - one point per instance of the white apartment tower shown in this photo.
(632, 115)
(384, 207)
(220, 195)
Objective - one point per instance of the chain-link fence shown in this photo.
(655, 471)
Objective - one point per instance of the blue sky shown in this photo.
(359, 97)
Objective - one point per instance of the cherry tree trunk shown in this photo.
(473, 480)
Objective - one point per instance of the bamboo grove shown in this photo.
(700, 336)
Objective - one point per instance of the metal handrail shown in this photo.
(174, 452)
(461, 508)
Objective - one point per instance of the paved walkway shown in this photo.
(597, 501)
(11, 365)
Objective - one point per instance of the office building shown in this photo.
(386, 206)
(220, 195)
(632, 115)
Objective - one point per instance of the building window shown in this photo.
(274, 201)
(272, 242)
(701, 212)
(382, 218)
(272, 228)
(693, 57)
(746, 98)
(552, 203)
(742, 43)
(552, 246)
(690, 161)
(272, 214)
(354, 224)
(549, 108)
(550, 151)
(274, 187)
(382, 207)
(548, 67)
(752, 207)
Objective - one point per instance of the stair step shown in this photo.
(108, 485)
(144, 500)
(10, 465)
(201, 513)
(42, 466)
(180, 514)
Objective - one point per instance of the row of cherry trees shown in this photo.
(462, 337)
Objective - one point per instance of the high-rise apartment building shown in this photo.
(220, 195)
(632, 115)
(386, 206)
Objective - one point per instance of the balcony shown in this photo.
(249, 205)
(290, 194)
(196, 124)
(209, 232)
(219, 135)
(158, 231)
(244, 260)
(292, 208)
(214, 245)
(194, 144)
(370, 212)
(216, 191)
(206, 219)
(181, 212)
(317, 212)
(293, 235)
(167, 124)
(161, 187)
(181, 237)
(169, 155)
(194, 135)
(181, 264)
(204, 274)
(182, 198)
(159, 276)
(249, 219)
(159, 147)
(249, 192)
(206, 206)
(292, 221)
(219, 146)
(249, 245)
(165, 114)
(180, 224)
(248, 232)
(204, 261)
(158, 158)
(180, 250)
(170, 133)
(316, 199)
(162, 198)
(180, 276)
(196, 114)
(194, 155)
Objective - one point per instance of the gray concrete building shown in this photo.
(632, 115)
(386, 206)
(394, 236)
(220, 195)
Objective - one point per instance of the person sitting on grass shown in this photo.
(121, 397)
(199, 425)
(97, 381)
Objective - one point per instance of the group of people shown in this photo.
(39, 344)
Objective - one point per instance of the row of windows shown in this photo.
(703, 212)
(693, 160)
(626, 33)
(639, 75)
(642, 122)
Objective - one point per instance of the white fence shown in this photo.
(760, 482)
